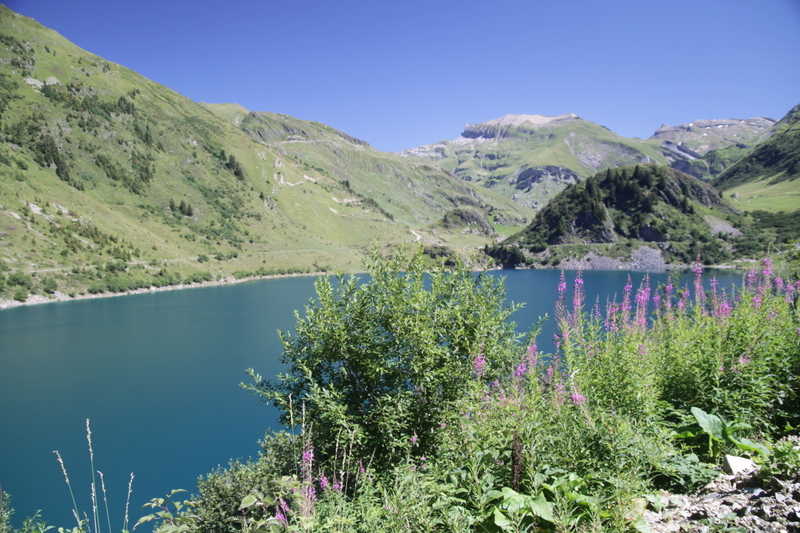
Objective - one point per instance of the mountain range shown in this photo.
(110, 181)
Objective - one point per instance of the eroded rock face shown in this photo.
(529, 176)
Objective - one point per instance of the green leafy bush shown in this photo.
(383, 360)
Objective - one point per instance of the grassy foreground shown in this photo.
(412, 405)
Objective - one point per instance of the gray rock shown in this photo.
(735, 465)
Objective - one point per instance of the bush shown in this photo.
(383, 360)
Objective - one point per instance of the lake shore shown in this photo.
(57, 296)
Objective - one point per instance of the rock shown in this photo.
(52, 80)
(735, 465)
(33, 82)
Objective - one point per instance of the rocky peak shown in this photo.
(702, 136)
(499, 127)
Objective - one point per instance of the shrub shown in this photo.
(383, 360)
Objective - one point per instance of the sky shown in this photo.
(404, 73)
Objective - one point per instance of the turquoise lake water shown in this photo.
(158, 375)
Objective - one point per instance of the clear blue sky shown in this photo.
(404, 73)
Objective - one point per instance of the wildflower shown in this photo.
(766, 267)
(361, 465)
(533, 356)
(757, 301)
(308, 456)
(521, 370)
(578, 398)
(778, 283)
(414, 439)
(724, 309)
(562, 286)
(743, 359)
(310, 493)
(750, 279)
(280, 517)
(577, 297)
(559, 390)
(337, 485)
(323, 482)
(479, 365)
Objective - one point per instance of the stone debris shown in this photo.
(736, 465)
(732, 502)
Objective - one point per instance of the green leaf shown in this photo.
(248, 501)
(711, 424)
(541, 508)
(750, 446)
(501, 521)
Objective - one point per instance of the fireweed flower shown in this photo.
(766, 267)
(308, 456)
(725, 308)
(699, 293)
(414, 439)
(280, 517)
(521, 369)
(578, 398)
(337, 485)
(558, 395)
(750, 279)
(479, 365)
(533, 357)
(626, 301)
(562, 286)
(757, 301)
(323, 482)
(577, 297)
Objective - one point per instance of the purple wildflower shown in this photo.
(562, 286)
(724, 309)
(479, 365)
(757, 301)
(361, 465)
(750, 279)
(337, 485)
(766, 267)
(280, 517)
(521, 369)
(699, 293)
(414, 439)
(743, 359)
(578, 398)
(310, 493)
(308, 456)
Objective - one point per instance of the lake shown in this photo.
(158, 375)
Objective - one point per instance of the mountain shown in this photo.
(767, 178)
(531, 158)
(110, 181)
(410, 192)
(704, 148)
(645, 213)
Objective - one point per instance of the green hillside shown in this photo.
(109, 181)
(768, 178)
(618, 211)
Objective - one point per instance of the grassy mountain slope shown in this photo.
(109, 181)
(530, 158)
(408, 191)
(622, 209)
(769, 177)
